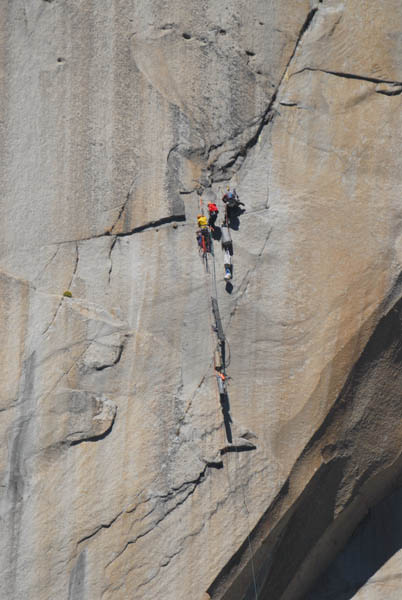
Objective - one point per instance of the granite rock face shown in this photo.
(123, 475)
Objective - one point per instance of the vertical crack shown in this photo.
(42, 271)
(246, 279)
(124, 205)
(77, 257)
(269, 113)
(112, 245)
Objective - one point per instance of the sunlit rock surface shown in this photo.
(122, 475)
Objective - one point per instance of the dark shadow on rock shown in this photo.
(374, 542)
(238, 446)
(229, 287)
(233, 216)
(93, 438)
(214, 464)
(227, 419)
(234, 222)
(357, 450)
(216, 233)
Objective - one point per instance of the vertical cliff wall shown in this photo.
(118, 478)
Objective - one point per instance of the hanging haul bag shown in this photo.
(226, 239)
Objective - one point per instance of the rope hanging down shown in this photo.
(219, 359)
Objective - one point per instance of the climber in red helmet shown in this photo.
(213, 214)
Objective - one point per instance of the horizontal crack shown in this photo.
(139, 229)
(152, 225)
(348, 76)
(101, 526)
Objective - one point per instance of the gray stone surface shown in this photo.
(118, 478)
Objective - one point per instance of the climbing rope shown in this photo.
(248, 530)
(217, 345)
(214, 273)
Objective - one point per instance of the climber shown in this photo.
(203, 236)
(232, 201)
(213, 214)
(202, 221)
(203, 239)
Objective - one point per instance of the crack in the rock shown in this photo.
(180, 218)
(246, 279)
(165, 562)
(349, 76)
(153, 225)
(54, 316)
(43, 270)
(124, 205)
(194, 394)
(67, 372)
(268, 117)
(218, 505)
(172, 149)
(164, 497)
(101, 526)
(268, 114)
(77, 257)
(189, 484)
(112, 245)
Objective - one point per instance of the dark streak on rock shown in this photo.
(76, 588)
